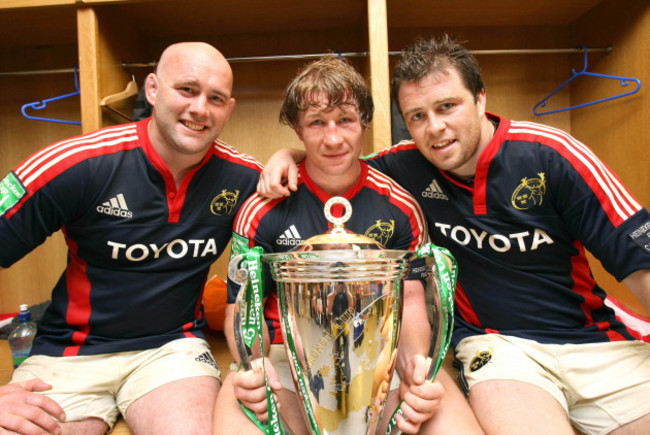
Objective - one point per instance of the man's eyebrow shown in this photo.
(196, 83)
(435, 103)
(412, 110)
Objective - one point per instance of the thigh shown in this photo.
(513, 385)
(497, 357)
(454, 415)
(171, 389)
(505, 407)
(182, 406)
(151, 369)
(84, 386)
(608, 384)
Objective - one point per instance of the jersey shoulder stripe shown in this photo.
(615, 199)
(405, 145)
(227, 152)
(400, 197)
(251, 213)
(47, 164)
(77, 149)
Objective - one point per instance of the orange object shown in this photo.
(214, 302)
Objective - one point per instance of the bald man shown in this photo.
(146, 208)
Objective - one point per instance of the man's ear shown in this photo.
(231, 107)
(151, 88)
(481, 102)
(298, 131)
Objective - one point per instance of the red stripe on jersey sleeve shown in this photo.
(617, 202)
(47, 164)
(229, 153)
(402, 146)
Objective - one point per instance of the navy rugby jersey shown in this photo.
(381, 209)
(139, 249)
(519, 234)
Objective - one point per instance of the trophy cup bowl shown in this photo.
(340, 303)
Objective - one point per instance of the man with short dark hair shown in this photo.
(517, 204)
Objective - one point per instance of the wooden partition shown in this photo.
(617, 130)
(103, 35)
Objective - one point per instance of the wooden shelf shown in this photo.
(497, 13)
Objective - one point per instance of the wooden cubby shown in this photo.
(101, 35)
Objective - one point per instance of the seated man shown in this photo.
(523, 203)
(146, 208)
(329, 107)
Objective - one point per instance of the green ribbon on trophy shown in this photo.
(252, 329)
(445, 280)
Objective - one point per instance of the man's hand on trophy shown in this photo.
(421, 398)
(250, 388)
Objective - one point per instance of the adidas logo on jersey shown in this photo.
(115, 206)
(434, 191)
(290, 237)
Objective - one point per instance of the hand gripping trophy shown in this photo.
(340, 298)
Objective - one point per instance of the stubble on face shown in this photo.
(446, 121)
(332, 152)
(185, 120)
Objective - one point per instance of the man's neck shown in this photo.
(488, 130)
(334, 185)
(178, 164)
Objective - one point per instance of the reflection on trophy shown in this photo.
(340, 300)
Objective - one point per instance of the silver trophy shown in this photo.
(340, 300)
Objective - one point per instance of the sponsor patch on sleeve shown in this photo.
(641, 236)
(11, 191)
(239, 245)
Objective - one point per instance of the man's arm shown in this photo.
(415, 336)
(639, 284)
(280, 175)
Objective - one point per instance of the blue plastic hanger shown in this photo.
(39, 105)
(625, 81)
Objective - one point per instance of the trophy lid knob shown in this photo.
(338, 237)
(337, 222)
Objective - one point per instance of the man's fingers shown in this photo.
(35, 384)
(272, 376)
(48, 406)
(292, 178)
(31, 420)
(421, 367)
(24, 411)
(407, 426)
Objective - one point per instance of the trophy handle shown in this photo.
(238, 274)
(444, 274)
(243, 320)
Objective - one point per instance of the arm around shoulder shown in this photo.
(280, 175)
